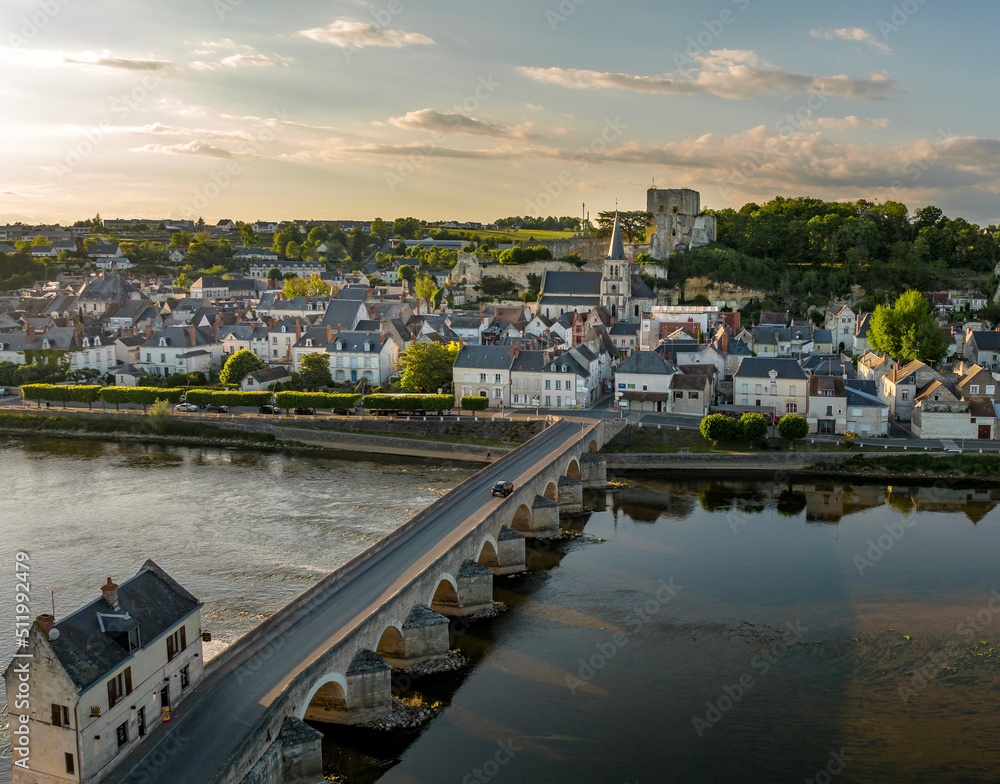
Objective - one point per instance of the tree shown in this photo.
(907, 331)
(718, 427)
(180, 239)
(183, 281)
(274, 274)
(406, 228)
(425, 287)
(159, 415)
(475, 403)
(426, 367)
(315, 370)
(407, 273)
(379, 232)
(313, 286)
(632, 224)
(239, 366)
(792, 427)
(248, 236)
(753, 427)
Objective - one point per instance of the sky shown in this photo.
(474, 110)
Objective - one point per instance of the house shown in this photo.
(827, 412)
(105, 676)
(642, 382)
(72, 348)
(359, 356)
(105, 290)
(779, 341)
(698, 320)
(268, 260)
(690, 394)
(861, 329)
(130, 315)
(484, 371)
(778, 385)
(938, 412)
(977, 381)
(562, 382)
(872, 366)
(841, 321)
(468, 329)
(210, 287)
(281, 336)
(180, 349)
(263, 380)
(252, 337)
(899, 387)
(867, 415)
(983, 348)
(625, 336)
(822, 340)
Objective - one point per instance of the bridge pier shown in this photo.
(425, 636)
(510, 556)
(594, 471)
(364, 695)
(544, 518)
(472, 592)
(570, 495)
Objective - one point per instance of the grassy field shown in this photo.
(525, 234)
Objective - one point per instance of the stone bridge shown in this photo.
(328, 656)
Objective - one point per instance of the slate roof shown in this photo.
(269, 374)
(629, 328)
(344, 313)
(760, 367)
(567, 299)
(529, 362)
(616, 250)
(484, 358)
(648, 363)
(354, 341)
(689, 381)
(575, 284)
(860, 398)
(152, 598)
(987, 340)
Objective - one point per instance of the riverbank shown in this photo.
(256, 435)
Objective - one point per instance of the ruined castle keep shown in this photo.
(676, 222)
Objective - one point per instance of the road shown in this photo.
(211, 722)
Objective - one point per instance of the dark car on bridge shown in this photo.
(211, 408)
(305, 411)
(502, 489)
(268, 409)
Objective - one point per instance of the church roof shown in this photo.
(616, 250)
(571, 283)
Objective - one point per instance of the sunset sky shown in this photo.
(474, 110)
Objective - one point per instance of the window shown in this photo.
(906, 394)
(829, 410)
(743, 402)
(774, 389)
(119, 686)
(497, 393)
(974, 389)
(548, 400)
(791, 390)
(185, 676)
(857, 412)
(692, 395)
(791, 408)
(60, 715)
(70, 765)
(466, 378)
(482, 378)
(176, 643)
(122, 734)
(496, 380)
(759, 389)
(558, 384)
(149, 357)
(163, 358)
(275, 340)
(746, 388)
(548, 383)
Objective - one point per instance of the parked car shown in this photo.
(185, 407)
(502, 489)
(4, 392)
(305, 411)
(214, 409)
(268, 409)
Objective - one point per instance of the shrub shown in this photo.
(324, 400)
(753, 427)
(409, 403)
(718, 427)
(792, 427)
(475, 403)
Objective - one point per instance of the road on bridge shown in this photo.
(210, 723)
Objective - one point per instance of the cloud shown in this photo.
(433, 121)
(188, 148)
(849, 123)
(726, 73)
(348, 33)
(182, 109)
(106, 60)
(852, 34)
(241, 60)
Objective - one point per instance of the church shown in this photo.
(617, 288)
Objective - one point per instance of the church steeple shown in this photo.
(616, 252)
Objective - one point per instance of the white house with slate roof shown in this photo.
(103, 678)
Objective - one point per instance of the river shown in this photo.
(696, 631)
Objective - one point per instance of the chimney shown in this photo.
(110, 593)
(78, 334)
(215, 327)
(29, 330)
(298, 330)
(149, 331)
(329, 334)
(193, 336)
(271, 322)
(46, 622)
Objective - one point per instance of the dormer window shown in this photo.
(86, 342)
(309, 342)
(97, 341)
(368, 346)
(46, 344)
(339, 346)
(163, 342)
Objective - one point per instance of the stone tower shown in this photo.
(616, 280)
(676, 222)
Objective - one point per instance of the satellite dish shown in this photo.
(53, 634)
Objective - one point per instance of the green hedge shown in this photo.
(62, 393)
(231, 398)
(409, 403)
(475, 403)
(325, 400)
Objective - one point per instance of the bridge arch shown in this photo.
(329, 694)
(522, 519)
(488, 551)
(573, 469)
(551, 491)
(592, 447)
(445, 593)
(390, 643)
